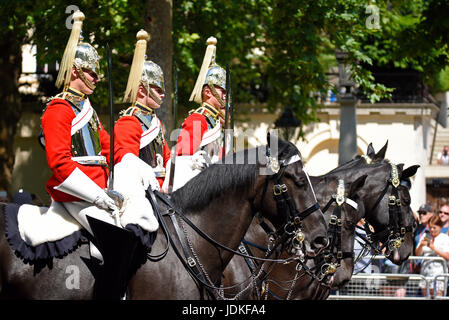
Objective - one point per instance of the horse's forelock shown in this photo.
(286, 149)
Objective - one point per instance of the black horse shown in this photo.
(64, 269)
(239, 189)
(221, 202)
(68, 278)
(375, 196)
(280, 281)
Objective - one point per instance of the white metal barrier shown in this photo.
(392, 286)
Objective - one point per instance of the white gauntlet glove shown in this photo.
(186, 167)
(199, 160)
(149, 179)
(103, 201)
(78, 184)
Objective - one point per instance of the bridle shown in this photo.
(290, 234)
(290, 231)
(333, 253)
(392, 236)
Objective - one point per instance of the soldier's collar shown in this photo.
(75, 93)
(207, 108)
(143, 107)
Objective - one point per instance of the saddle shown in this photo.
(38, 225)
(41, 233)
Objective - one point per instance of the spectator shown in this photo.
(425, 212)
(443, 157)
(395, 286)
(22, 197)
(4, 196)
(433, 244)
(362, 262)
(444, 216)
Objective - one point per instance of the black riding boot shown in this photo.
(117, 247)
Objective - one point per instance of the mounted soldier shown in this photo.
(201, 137)
(76, 144)
(78, 154)
(141, 152)
(83, 202)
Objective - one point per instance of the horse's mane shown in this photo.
(214, 181)
(348, 165)
(235, 172)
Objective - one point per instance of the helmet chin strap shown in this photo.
(153, 95)
(215, 93)
(89, 84)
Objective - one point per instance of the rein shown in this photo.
(191, 262)
(392, 236)
(332, 260)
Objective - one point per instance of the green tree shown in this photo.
(115, 22)
(13, 31)
(296, 42)
(279, 51)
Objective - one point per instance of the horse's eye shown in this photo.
(350, 225)
(300, 182)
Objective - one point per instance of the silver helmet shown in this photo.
(216, 75)
(210, 73)
(152, 75)
(77, 54)
(87, 57)
(143, 72)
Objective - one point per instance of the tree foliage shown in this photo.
(279, 51)
(276, 48)
(113, 22)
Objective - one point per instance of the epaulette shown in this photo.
(208, 111)
(66, 95)
(192, 111)
(49, 100)
(127, 112)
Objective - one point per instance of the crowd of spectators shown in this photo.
(431, 240)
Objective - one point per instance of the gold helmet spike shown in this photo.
(135, 73)
(69, 53)
(208, 61)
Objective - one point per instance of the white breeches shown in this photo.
(80, 209)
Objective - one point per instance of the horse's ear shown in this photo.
(370, 151)
(381, 154)
(409, 172)
(273, 137)
(357, 185)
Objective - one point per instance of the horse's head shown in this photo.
(288, 199)
(391, 215)
(352, 209)
(370, 157)
(401, 250)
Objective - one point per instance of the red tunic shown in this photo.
(56, 127)
(127, 135)
(191, 134)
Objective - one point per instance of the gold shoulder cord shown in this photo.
(127, 112)
(208, 111)
(66, 95)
